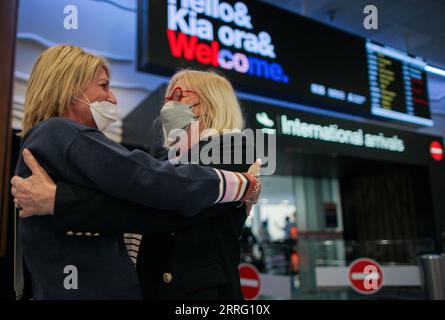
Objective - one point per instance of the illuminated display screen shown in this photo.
(397, 85)
(296, 59)
(300, 130)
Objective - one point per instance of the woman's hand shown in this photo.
(35, 195)
(254, 170)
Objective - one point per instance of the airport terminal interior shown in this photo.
(352, 98)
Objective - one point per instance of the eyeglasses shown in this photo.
(178, 93)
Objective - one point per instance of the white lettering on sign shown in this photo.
(237, 14)
(333, 93)
(185, 20)
(336, 94)
(318, 89)
(333, 133)
(356, 98)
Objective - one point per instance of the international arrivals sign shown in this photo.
(329, 133)
(336, 134)
(323, 135)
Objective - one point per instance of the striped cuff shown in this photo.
(132, 242)
(233, 186)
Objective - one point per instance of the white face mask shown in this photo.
(104, 112)
(176, 115)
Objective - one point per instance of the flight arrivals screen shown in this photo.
(272, 52)
(397, 85)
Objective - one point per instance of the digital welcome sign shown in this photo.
(208, 33)
(265, 50)
(230, 43)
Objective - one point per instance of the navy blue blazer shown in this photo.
(74, 153)
(179, 258)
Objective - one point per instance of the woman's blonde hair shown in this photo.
(59, 74)
(220, 108)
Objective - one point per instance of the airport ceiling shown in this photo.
(415, 26)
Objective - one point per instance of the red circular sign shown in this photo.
(365, 276)
(436, 150)
(250, 281)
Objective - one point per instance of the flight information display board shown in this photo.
(397, 85)
(269, 51)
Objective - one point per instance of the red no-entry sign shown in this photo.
(436, 150)
(250, 281)
(365, 276)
